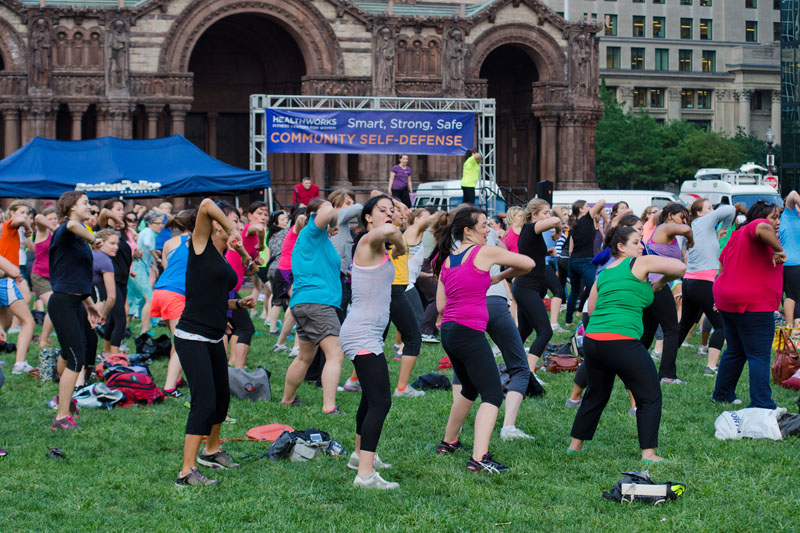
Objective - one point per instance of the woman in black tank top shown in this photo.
(198, 335)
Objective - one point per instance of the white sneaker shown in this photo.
(374, 481)
(398, 349)
(496, 351)
(21, 368)
(295, 351)
(409, 392)
(573, 404)
(511, 432)
(558, 329)
(280, 348)
(352, 464)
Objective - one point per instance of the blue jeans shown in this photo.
(581, 275)
(749, 337)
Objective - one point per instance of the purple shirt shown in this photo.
(101, 264)
(400, 177)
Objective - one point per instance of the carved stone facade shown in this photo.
(86, 71)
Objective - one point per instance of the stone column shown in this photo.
(211, 124)
(102, 121)
(76, 111)
(626, 97)
(341, 177)
(153, 112)
(548, 148)
(317, 170)
(178, 112)
(10, 129)
(776, 116)
(744, 97)
(674, 103)
(38, 118)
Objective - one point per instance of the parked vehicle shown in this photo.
(637, 200)
(447, 194)
(720, 185)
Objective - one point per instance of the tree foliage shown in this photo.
(634, 151)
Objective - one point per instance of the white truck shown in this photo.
(637, 200)
(720, 185)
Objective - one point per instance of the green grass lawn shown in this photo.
(121, 466)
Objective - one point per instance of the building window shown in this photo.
(658, 1)
(751, 31)
(686, 2)
(685, 60)
(704, 99)
(709, 61)
(686, 28)
(612, 57)
(705, 3)
(687, 99)
(705, 29)
(611, 24)
(776, 31)
(776, 5)
(638, 26)
(662, 59)
(637, 58)
(757, 101)
(560, 14)
(701, 124)
(659, 27)
(639, 97)
(751, 4)
(656, 98)
(638, 1)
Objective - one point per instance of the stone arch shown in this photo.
(312, 33)
(12, 48)
(543, 49)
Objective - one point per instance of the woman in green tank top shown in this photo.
(612, 346)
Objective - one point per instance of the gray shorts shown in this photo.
(41, 285)
(316, 321)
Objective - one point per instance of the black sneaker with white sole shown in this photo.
(447, 447)
(194, 477)
(219, 459)
(486, 464)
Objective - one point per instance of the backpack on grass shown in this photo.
(138, 388)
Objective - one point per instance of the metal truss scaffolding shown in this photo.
(484, 108)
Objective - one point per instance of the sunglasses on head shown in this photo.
(130, 220)
(95, 212)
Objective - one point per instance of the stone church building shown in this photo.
(142, 69)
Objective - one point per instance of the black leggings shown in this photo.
(532, 315)
(698, 298)
(242, 325)
(415, 300)
(663, 312)
(403, 195)
(78, 341)
(116, 321)
(629, 360)
(206, 367)
(563, 272)
(552, 283)
(473, 363)
(402, 315)
(376, 398)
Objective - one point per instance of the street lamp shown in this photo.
(770, 137)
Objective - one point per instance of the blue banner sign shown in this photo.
(369, 132)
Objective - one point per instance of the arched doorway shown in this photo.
(510, 73)
(237, 56)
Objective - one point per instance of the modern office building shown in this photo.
(790, 94)
(711, 62)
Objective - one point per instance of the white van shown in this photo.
(447, 194)
(728, 187)
(638, 201)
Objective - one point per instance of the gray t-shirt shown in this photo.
(704, 255)
(343, 241)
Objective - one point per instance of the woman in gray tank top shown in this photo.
(361, 335)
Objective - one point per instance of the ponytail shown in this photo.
(449, 229)
(618, 235)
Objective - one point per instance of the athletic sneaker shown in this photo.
(632, 412)
(486, 464)
(295, 351)
(174, 393)
(281, 348)
(656, 356)
(352, 386)
(710, 372)
(67, 424)
(408, 392)
(512, 432)
(352, 464)
(702, 350)
(446, 447)
(687, 345)
(673, 381)
(194, 477)
(218, 459)
(335, 411)
(374, 481)
(573, 404)
(558, 329)
(295, 403)
(430, 338)
(21, 368)
(398, 348)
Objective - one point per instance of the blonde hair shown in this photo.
(337, 197)
(511, 213)
(533, 207)
(104, 234)
(16, 204)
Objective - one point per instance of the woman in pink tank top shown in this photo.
(461, 298)
(46, 222)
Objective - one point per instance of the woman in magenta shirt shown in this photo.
(747, 292)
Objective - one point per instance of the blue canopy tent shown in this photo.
(111, 167)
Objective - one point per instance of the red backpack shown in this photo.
(138, 388)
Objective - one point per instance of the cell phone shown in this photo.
(316, 437)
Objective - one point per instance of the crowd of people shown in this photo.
(338, 272)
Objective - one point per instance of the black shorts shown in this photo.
(281, 283)
(791, 282)
(263, 274)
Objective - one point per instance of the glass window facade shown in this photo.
(706, 29)
(704, 99)
(638, 26)
(685, 60)
(709, 61)
(659, 27)
(637, 58)
(656, 98)
(639, 97)
(662, 59)
(687, 99)
(686, 28)
(790, 95)
(612, 57)
(611, 24)
(751, 31)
